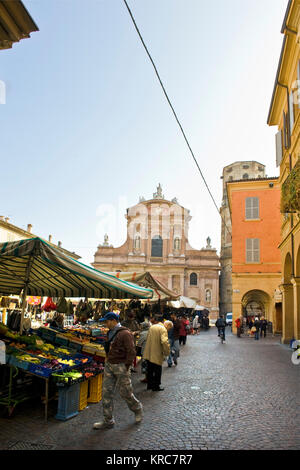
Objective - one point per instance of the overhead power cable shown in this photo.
(173, 110)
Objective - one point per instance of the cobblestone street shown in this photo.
(240, 395)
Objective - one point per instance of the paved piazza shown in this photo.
(244, 394)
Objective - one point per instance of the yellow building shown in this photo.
(285, 113)
(13, 233)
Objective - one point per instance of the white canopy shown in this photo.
(185, 302)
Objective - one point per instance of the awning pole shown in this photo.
(23, 308)
(28, 270)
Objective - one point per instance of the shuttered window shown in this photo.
(291, 111)
(252, 208)
(298, 78)
(285, 130)
(279, 149)
(252, 250)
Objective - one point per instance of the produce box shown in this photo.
(95, 389)
(96, 332)
(40, 370)
(67, 378)
(61, 340)
(14, 361)
(75, 345)
(68, 402)
(84, 388)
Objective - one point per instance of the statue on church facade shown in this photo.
(208, 245)
(105, 240)
(158, 194)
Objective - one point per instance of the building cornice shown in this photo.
(26, 234)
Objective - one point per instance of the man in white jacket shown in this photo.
(156, 350)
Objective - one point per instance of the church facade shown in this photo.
(157, 241)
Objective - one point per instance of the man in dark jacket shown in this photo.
(120, 353)
(221, 324)
(257, 326)
(263, 327)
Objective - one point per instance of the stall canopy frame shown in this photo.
(146, 279)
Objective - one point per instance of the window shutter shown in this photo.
(248, 208)
(249, 250)
(291, 111)
(256, 250)
(252, 208)
(255, 208)
(252, 250)
(279, 150)
(285, 134)
(298, 77)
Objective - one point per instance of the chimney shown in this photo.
(50, 238)
(29, 227)
(59, 244)
(6, 219)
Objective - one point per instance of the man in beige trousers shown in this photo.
(156, 350)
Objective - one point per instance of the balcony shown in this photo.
(290, 191)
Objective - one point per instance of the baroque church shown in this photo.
(157, 241)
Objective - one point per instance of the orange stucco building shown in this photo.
(256, 263)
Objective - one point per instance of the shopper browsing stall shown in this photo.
(120, 349)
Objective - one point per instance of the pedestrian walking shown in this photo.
(141, 348)
(156, 350)
(134, 327)
(221, 324)
(185, 325)
(257, 326)
(263, 327)
(175, 335)
(120, 353)
(196, 324)
(170, 329)
(238, 327)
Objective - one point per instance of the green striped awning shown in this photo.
(46, 271)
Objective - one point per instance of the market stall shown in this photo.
(146, 279)
(34, 268)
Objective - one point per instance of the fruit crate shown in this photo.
(75, 345)
(68, 401)
(47, 334)
(84, 388)
(40, 370)
(61, 340)
(14, 361)
(95, 389)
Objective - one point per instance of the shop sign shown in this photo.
(296, 354)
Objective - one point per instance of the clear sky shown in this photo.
(86, 129)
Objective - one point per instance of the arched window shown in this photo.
(157, 247)
(245, 176)
(193, 279)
